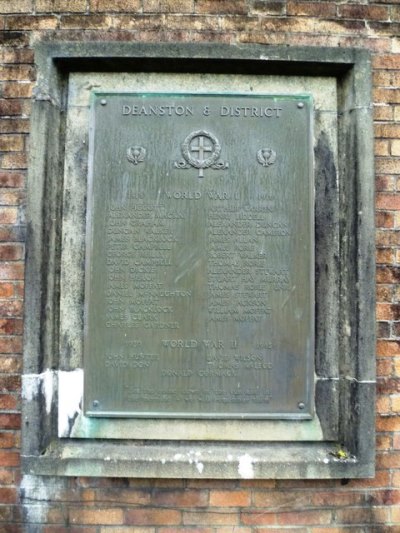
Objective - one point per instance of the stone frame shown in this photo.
(345, 320)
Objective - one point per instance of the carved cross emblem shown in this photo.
(201, 149)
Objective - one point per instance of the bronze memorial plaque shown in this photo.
(199, 298)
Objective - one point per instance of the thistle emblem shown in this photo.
(201, 149)
(136, 154)
(266, 157)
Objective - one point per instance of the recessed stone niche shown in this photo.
(200, 273)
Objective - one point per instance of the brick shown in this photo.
(208, 518)
(58, 6)
(387, 131)
(39, 22)
(383, 112)
(19, 289)
(388, 348)
(14, 160)
(17, 90)
(136, 530)
(388, 423)
(11, 252)
(382, 78)
(13, 38)
(186, 498)
(388, 385)
(223, 7)
(336, 499)
(388, 312)
(384, 219)
(385, 183)
(258, 483)
(8, 215)
(168, 6)
(126, 6)
(308, 24)
(6, 515)
(238, 23)
(387, 165)
(364, 12)
(386, 61)
(14, 125)
(7, 477)
(384, 367)
(282, 500)
(12, 363)
(17, 55)
(207, 485)
(68, 529)
(96, 516)
(20, 73)
(229, 498)
(340, 529)
(10, 345)
(313, 9)
(387, 95)
(11, 143)
(8, 495)
(152, 517)
(387, 238)
(10, 308)
(383, 404)
(15, 6)
(11, 271)
(305, 518)
(384, 442)
(385, 256)
(267, 7)
(185, 530)
(374, 515)
(257, 518)
(395, 403)
(9, 458)
(11, 179)
(6, 290)
(8, 402)
(10, 382)
(388, 201)
(10, 107)
(395, 147)
(9, 197)
(382, 148)
(12, 233)
(128, 497)
(89, 22)
(9, 421)
(383, 329)
(384, 293)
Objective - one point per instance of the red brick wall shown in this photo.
(149, 506)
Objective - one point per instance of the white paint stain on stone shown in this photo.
(36, 492)
(70, 393)
(245, 467)
(200, 467)
(33, 384)
(48, 387)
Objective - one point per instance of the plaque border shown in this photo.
(308, 411)
(42, 451)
